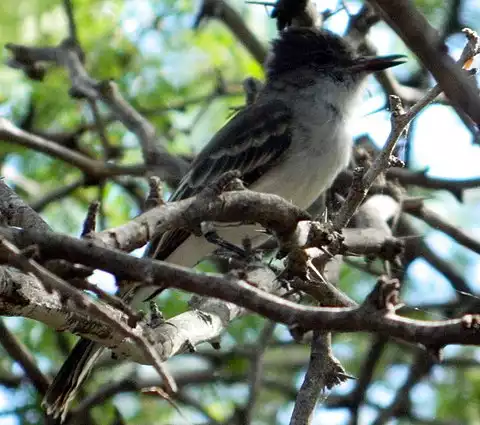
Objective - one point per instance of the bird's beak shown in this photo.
(378, 63)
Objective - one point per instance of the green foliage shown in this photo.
(434, 10)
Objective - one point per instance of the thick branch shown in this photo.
(242, 293)
(23, 295)
(270, 211)
(15, 212)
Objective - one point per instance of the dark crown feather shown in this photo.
(299, 47)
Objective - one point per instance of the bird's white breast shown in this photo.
(321, 149)
(307, 172)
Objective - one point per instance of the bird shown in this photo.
(292, 141)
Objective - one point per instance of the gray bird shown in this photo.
(292, 141)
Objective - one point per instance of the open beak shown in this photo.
(378, 63)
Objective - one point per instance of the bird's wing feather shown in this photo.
(251, 142)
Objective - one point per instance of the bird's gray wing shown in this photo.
(251, 142)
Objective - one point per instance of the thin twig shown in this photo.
(324, 371)
(256, 369)
(437, 222)
(422, 364)
(72, 27)
(95, 169)
(57, 194)
(67, 54)
(366, 376)
(19, 353)
(424, 41)
(400, 120)
(108, 150)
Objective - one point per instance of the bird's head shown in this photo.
(322, 53)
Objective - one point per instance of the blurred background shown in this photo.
(183, 69)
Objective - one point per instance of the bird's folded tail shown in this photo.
(70, 377)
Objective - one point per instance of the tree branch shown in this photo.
(95, 169)
(221, 10)
(424, 41)
(169, 167)
(400, 120)
(19, 353)
(324, 371)
(244, 294)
